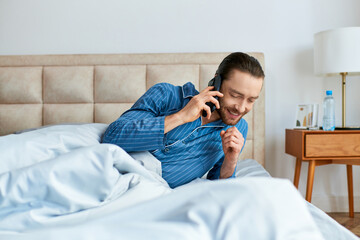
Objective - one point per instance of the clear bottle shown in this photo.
(329, 112)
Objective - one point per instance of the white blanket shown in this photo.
(65, 185)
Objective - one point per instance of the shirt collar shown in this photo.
(217, 123)
(189, 90)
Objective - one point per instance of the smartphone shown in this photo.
(216, 82)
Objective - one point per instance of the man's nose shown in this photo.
(241, 107)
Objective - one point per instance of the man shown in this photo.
(167, 121)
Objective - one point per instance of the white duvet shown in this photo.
(59, 182)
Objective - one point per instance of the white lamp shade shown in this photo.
(337, 51)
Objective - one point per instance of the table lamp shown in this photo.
(337, 52)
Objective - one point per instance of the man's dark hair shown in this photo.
(242, 62)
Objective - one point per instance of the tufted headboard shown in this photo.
(51, 89)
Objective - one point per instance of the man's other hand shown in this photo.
(232, 143)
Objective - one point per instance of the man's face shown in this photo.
(240, 92)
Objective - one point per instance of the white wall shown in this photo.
(282, 29)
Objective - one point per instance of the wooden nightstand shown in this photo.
(324, 147)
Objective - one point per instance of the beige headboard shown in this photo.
(50, 89)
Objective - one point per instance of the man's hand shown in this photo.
(193, 109)
(197, 104)
(232, 143)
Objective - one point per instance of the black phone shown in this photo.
(216, 82)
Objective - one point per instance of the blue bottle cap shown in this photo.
(328, 92)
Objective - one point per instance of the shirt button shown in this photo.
(166, 149)
(183, 142)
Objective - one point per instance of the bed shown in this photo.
(58, 181)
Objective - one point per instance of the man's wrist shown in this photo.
(227, 168)
(172, 121)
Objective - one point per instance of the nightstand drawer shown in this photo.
(332, 145)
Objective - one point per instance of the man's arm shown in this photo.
(226, 167)
(232, 142)
(214, 173)
(143, 126)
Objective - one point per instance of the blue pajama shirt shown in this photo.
(186, 152)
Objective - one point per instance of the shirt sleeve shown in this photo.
(142, 127)
(214, 173)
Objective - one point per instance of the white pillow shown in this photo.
(27, 148)
(147, 160)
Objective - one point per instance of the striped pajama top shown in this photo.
(186, 152)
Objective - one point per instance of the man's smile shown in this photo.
(233, 115)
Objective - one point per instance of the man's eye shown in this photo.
(251, 100)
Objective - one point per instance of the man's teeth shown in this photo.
(236, 114)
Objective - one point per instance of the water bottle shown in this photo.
(329, 112)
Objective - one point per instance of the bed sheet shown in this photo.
(329, 228)
(67, 185)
